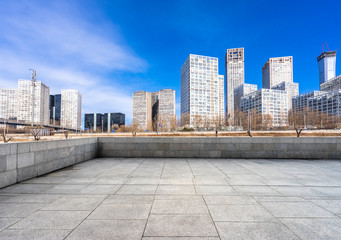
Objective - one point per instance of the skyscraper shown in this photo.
(71, 109)
(8, 103)
(277, 70)
(326, 62)
(234, 72)
(142, 110)
(164, 108)
(55, 108)
(201, 88)
(40, 97)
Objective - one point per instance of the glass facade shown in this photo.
(55, 108)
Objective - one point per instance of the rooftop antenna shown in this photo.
(34, 80)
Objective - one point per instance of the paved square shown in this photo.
(116, 198)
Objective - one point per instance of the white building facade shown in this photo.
(235, 76)
(291, 88)
(8, 103)
(201, 90)
(240, 92)
(142, 110)
(267, 102)
(277, 70)
(71, 109)
(40, 97)
(166, 108)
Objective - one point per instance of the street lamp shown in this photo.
(34, 80)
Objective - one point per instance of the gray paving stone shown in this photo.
(143, 181)
(229, 200)
(6, 222)
(179, 206)
(108, 229)
(79, 180)
(255, 231)
(215, 190)
(278, 199)
(27, 188)
(74, 204)
(121, 211)
(18, 209)
(176, 181)
(31, 198)
(99, 189)
(137, 189)
(256, 190)
(210, 181)
(176, 189)
(110, 180)
(180, 238)
(52, 220)
(66, 189)
(129, 199)
(333, 206)
(180, 225)
(314, 229)
(238, 213)
(33, 234)
(296, 209)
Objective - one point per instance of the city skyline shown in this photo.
(125, 61)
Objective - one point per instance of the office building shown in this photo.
(163, 110)
(40, 96)
(291, 88)
(8, 103)
(234, 73)
(301, 102)
(142, 110)
(55, 109)
(240, 92)
(332, 84)
(269, 102)
(277, 70)
(71, 109)
(99, 122)
(327, 64)
(201, 90)
(110, 119)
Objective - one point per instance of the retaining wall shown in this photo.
(22, 161)
(222, 147)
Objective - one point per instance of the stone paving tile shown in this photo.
(6, 222)
(79, 180)
(254, 231)
(30, 198)
(245, 213)
(137, 189)
(333, 206)
(180, 225)
(152, 181)
(176, 181)
(66, 189)
(297, 191)
(278, 199)
(74, 204)
(108, 180)
(108, 229)
(256, 190)
(52, 220)
(296, 209)
(210, 181)
(34, 234)
(46, 179)
(129, 199)
(176, 189)
(215, 190)
(99, 189)
(314, 229)
(27, 188)
(179, 206)
(121, 211)
(229, 200)
(19, 209)
(181, 238)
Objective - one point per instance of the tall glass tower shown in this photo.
(326, 62)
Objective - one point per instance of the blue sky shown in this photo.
(109, 49)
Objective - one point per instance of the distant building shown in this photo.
(8, 103)
(291, 88)
(201, 90)
(277, 70)
(71, 109)
(332, 84)
(55, 109)
(111, 119)
(267, 102)
(142, 110)
(301, 102)
(235, 76)
(327, 64)
(240, 92)
(41, 102)
(163, 110)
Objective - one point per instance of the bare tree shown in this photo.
(4, 138)
(36, 133)
(66, 134)
(249, 133)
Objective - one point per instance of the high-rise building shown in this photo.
(332, 84)
(277, 70)
(267, 102)
(327, 64)
(71, 109)
(240, 92)
(234, 73)
(8, 103)
(201, 88)
(142, 110)
(163, 109)
(40, 97)
(55, 109)
(291, 88)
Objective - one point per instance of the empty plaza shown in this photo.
(183, 198)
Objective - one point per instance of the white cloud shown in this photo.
(68, 51)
